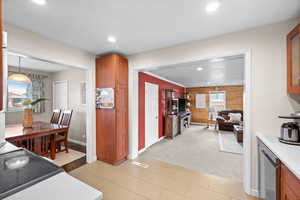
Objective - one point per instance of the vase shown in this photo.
(27, 118)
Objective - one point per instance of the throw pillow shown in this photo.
(235, 117)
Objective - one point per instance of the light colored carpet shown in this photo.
(228, 143)
(198, 149)
(63, 158)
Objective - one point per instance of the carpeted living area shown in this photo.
(198, 149)
(228, 142)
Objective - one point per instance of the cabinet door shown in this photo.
(293, 61)
(288, 194)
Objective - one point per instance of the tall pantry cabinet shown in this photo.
(112, 124)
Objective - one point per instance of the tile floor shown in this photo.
(160, 181)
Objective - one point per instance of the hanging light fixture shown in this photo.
(19, 77)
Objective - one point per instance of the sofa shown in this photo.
(223, 120)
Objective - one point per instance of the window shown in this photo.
(217, 102)
(17, 94)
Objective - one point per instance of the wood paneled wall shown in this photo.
(234, 100)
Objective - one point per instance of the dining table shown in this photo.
(16, 133)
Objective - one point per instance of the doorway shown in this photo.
(64, 88)
(151, 114)
(247, 161)
(60, 94)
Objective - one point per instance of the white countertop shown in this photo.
(289, 155)
(8, 147)
(59, 187)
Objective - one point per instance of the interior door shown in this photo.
(151, 114)
(60, 95)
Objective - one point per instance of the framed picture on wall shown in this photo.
(105, 98)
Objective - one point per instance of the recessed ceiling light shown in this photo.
(212, 6)
(217, 60)
(111, 39)
(199, 69)
(40, 2)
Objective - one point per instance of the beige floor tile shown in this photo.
(198, 193)
(167, 195)
(227, 187)
(160, 181)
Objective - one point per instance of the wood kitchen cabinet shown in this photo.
(112, 124)
(293, 61)
(290, 185)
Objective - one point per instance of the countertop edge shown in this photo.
(268, 140)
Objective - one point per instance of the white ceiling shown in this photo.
(230, 71)
(35, 64)
(141, 25)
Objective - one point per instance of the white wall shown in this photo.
(29, 43)
(75, 77)
(268, 61)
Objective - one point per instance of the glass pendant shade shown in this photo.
(19, 77)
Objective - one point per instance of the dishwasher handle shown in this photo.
(275, 164)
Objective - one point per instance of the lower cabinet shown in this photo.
(290, 185)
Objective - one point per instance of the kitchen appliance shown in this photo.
(290, 132)
(268, 173)
(20, 169)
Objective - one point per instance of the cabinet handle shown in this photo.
(270, 160)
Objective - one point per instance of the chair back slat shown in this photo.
(66, 117)
(55, 116)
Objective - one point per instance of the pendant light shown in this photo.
(19, 77)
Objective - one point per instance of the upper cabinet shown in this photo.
(293, 61)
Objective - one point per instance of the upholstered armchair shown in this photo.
(223, 120)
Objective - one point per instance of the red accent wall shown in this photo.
(162, 85)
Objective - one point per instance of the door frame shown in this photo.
(53, 92)
(147, 145)
(249, 170)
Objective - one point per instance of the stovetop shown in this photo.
(20, 169)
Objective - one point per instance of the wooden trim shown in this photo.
(74, 164)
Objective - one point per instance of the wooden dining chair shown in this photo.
(55, 116)
(63, 137)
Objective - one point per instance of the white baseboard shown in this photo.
(254, 192)
(144, 149)
(197, 123)
(93, 159)
(163, 137)
(77, 142)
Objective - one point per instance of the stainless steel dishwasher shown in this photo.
(268, 173)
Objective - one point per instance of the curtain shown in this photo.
(37, 90)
